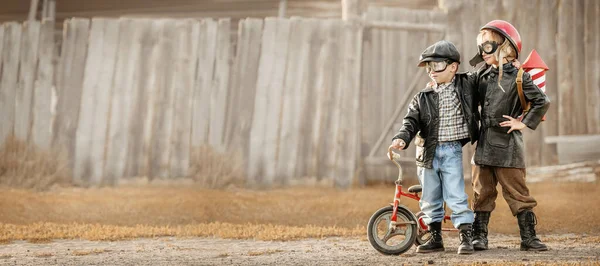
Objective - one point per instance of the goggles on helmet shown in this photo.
(436, 66)
(488, 47)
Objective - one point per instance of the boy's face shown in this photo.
(443, 76)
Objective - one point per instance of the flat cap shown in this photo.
(439, 51)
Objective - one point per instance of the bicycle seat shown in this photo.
(415, 189)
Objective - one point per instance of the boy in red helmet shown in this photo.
(499, 156)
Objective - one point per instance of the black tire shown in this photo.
(422, 235)
(382, 217)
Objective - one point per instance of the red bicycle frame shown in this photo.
(400, 193)
(415, 196)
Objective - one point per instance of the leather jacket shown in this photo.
(422, 118)
(495, 147)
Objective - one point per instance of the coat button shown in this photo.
(487, 102)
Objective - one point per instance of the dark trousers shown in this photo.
(514, 189)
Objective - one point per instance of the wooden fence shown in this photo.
(297, 97)
(306, 105)
(121, 97)
(134, 97)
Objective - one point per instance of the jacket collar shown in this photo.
(506, 68)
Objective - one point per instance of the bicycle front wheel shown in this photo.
(392, 240)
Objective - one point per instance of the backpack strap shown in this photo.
(520, 90)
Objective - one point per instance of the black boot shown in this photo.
(480, 230)
(529, 240)
(435, 243)
(466, 247)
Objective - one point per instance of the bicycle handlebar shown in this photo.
(395, 157)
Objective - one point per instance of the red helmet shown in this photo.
(507, 30)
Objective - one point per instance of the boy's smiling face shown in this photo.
(443, 76)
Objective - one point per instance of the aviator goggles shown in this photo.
(436, 66)
(488, 47)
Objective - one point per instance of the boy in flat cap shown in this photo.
(441, 116)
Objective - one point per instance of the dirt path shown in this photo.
(330, 251)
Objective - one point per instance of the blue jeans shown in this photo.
(445, 182)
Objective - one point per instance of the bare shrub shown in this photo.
(211, 169)
(23, 165)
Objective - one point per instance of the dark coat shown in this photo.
(422, 118)
(495, 147)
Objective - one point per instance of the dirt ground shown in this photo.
(157, 225)
(564, 250)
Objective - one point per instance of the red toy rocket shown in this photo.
(535, 66)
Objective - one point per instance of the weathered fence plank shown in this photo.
(41, 128)
(293, 100)
(578, 70)
(372, 77)
(596, 15)
(69, 81)
(305, 151)
(27, 69)
(243, 85)
(150, 95)
(565, 76)
(590, 75)
(183, 82)
(388, 72)
(348, 149)
(323, 87)
(1, 44)
(95, 101)
(264, 133)
(204, 77)
(142, 103)
(546, 46)
(163, 112)
(123, 97)
(220, 86)
(8, 83)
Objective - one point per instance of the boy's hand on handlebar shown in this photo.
(398, 144)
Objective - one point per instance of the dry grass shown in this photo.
(23, 165)
(6, 256)
(281, 214)
(50, 231)
(211, 169)
(89, 252)
(39, 240)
